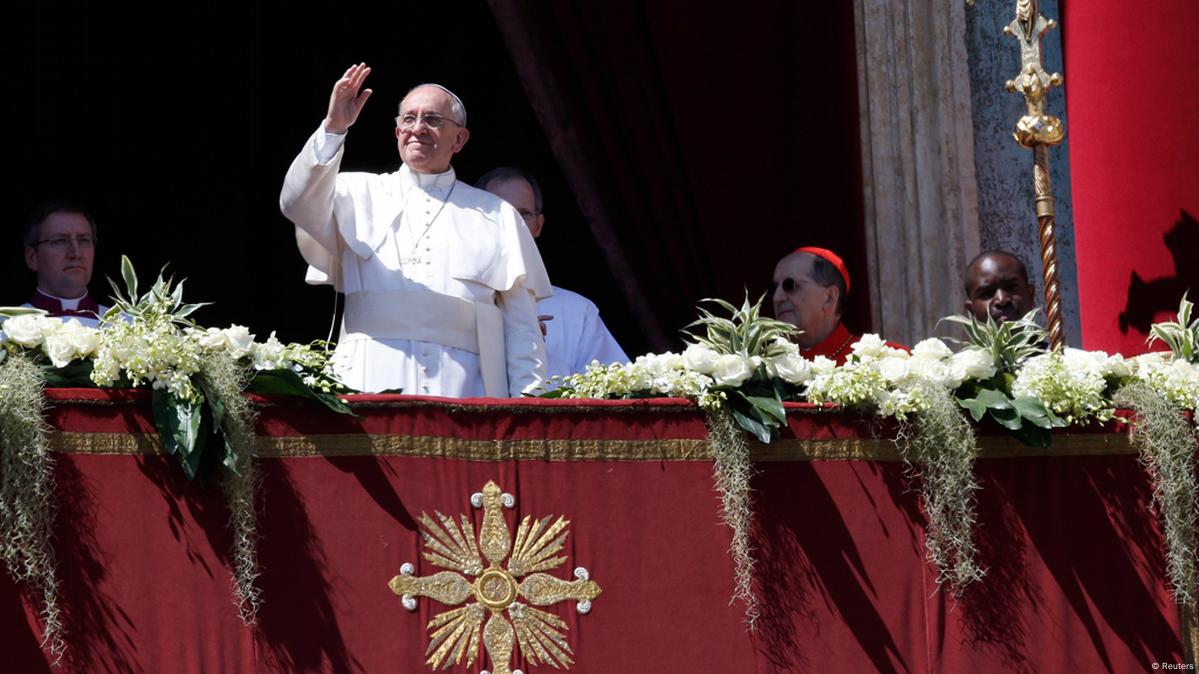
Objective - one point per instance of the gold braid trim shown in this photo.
(853, 449)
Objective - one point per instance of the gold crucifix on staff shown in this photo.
(1039, 131)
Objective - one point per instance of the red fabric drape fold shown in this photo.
(702, 145)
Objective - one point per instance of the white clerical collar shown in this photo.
(427, 181)
(67, 305)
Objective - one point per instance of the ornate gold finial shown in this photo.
(1039, 131)
(456, 633)
(1035, 127)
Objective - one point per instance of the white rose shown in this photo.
(935, 371)
(1077, 359)
(238, 340)
(822, 365)
(731, 369)
(792, 368)
(700, 358)
(869, 346)
(893, 369)
(1116, 366)
(971, 364)
(60, 349)
(1180, 369)
(931, 349)
(641, 377)
(268, 355)
(85, 340)
(787, 346)
(30, 330)
(210, 339)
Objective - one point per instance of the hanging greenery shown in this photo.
(198, 377)
(1166, 441)
(732, 469)
(27, 505)
(939, 445)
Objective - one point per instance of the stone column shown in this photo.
(920, 192)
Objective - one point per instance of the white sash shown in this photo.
(423, 316)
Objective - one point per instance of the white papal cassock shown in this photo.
(577, 335)
(440, 278)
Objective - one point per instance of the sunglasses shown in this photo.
(788, 285)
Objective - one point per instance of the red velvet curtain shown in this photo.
(702, 144)
(1132, 78)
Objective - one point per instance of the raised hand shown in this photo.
(346, 101)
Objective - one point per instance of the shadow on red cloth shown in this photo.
(21, 647)
(797, 518)
(1086, 568)
(1146, 299)
(298, 630)
(372, 473)
(993, 609)
(100, 635)
(205, 506)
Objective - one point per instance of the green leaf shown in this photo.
(976, 408)
(771, 408)
(994, 399)
(77, 374)
(178, 423)
(9, 312)
(130, 277)
(1034, 410)
(188, 309)
(752, 425)
(986, 399)
(1008, 418)
(288, 382)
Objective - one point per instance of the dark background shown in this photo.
(175, 127)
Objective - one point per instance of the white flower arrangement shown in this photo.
(889, 380)
(1073, 384)
(1175, 379)
(665, 374)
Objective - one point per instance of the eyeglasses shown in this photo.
(788, 285)
(63, 243)
(432, 121)
(527, 214)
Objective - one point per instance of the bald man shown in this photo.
(575, 335)
(441, 279)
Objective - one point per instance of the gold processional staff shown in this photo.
(1039, 131)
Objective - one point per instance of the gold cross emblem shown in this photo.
(512, 589)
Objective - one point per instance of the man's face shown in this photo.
(519, 193)
(808, 306)
(62, 263)
(998, 288)
(423, 148)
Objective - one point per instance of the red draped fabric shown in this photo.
(701, 144)
(1073, 551)
(1132, 85)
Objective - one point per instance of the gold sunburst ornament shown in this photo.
(496, 589)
